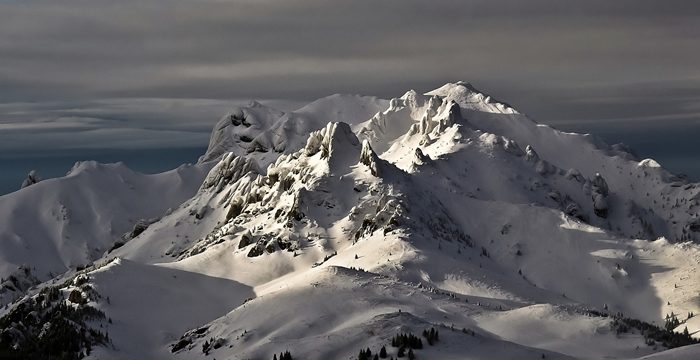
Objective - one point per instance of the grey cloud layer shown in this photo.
(158, 48)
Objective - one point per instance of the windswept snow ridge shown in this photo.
(357, 223)
(66, 223)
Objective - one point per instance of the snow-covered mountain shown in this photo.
(358, 223)
(66, 223)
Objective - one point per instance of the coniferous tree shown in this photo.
(672, 322)
(362, 355)
(382, 352)
(431, 335)
(411, 356)
(407, 341)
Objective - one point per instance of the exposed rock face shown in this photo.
(369, 158)
(600, 185)
(419, 158)
(337, 144)
(239, 131)
(600, 206)
(32, 178)
(694, 225)
(599, 194)
(140, 227)
(229, 170)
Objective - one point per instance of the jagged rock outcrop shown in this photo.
(237, 131)
(337, 144)
(419, 158)
(599, 195)
(531, 154)
(32, 178)
(369, 158)
(229, 170)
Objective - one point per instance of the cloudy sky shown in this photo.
(158, 73)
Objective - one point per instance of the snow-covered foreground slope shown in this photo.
(65, 223)
(342, 225)
(183, 299)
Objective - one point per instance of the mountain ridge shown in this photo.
(445, 210)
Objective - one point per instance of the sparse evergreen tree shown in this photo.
(672, 322)
(366, 354)
(431, 335)
(411, 356)
(362, 355)
(407, 341)
(382, 352)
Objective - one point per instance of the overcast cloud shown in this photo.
(158, 73)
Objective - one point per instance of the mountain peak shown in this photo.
(443, 210)
(468, 97)
(337, 144)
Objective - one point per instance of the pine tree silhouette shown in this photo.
(382, 352)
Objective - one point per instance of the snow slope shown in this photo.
(335, 227)
(136, 289)
(64, 223)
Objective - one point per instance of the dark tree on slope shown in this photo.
(432, 335)
(365, 355)
(283, 356)
(46, 327)
(407, 341)
(411, 356)
(653, 334)
(672, 322)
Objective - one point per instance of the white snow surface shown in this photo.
(330, 229)
(64, 223)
